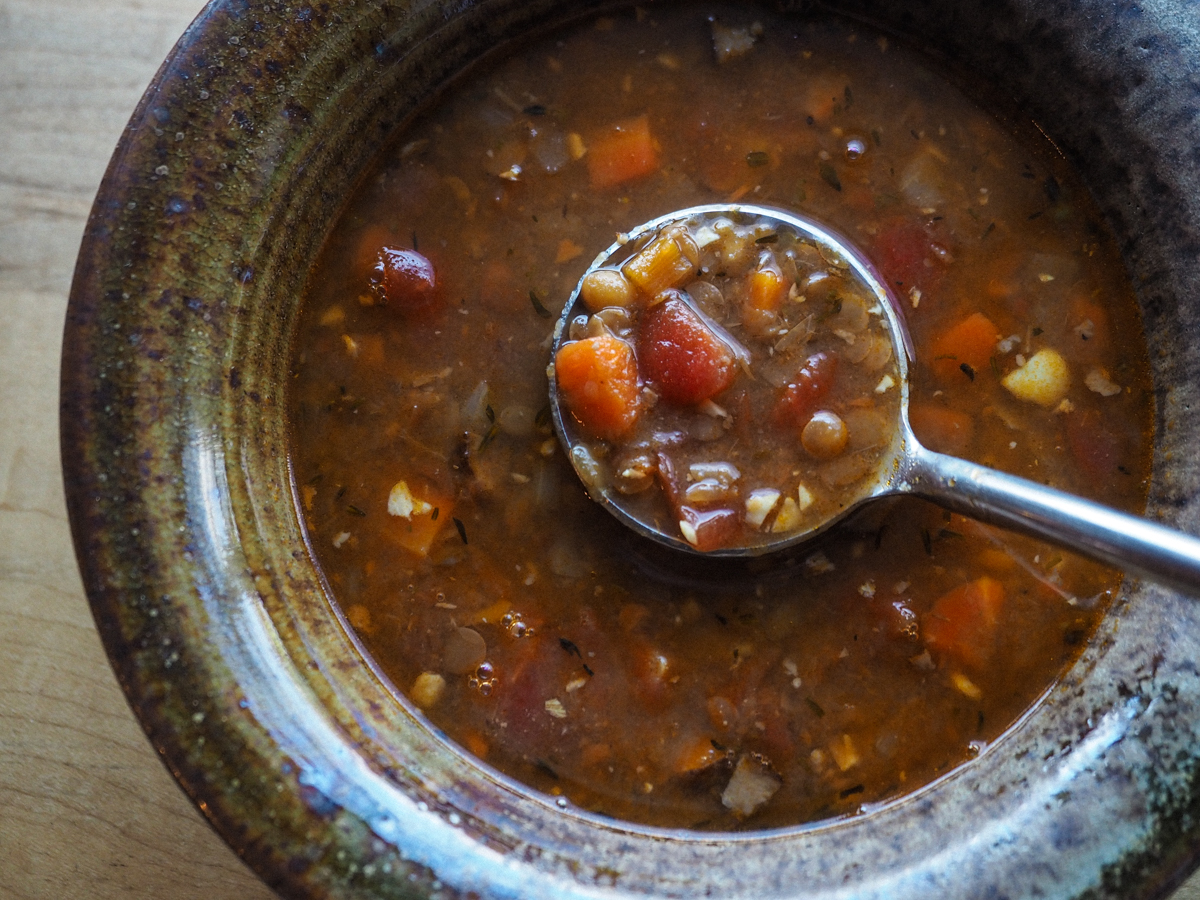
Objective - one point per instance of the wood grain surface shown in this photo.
(87, 810)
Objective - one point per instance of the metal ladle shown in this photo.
(1125, 541)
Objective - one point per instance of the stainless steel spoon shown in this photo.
(1127, 542)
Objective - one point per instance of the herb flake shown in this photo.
(830, 176)
(538, 307)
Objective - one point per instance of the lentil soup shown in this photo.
(538, 633)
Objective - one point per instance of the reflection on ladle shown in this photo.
(714, 306)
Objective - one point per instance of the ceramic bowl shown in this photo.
(248, 682)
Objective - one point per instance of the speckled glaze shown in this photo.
(185, 298)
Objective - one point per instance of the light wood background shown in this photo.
(87, 810)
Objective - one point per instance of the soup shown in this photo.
(553, 644)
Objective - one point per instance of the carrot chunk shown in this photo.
(767, 289)
(681, 356)
(965, 348)
(598, 377)
(417, 531)
(627, 151)
(962, 623)
(941, 429)
(664, 263)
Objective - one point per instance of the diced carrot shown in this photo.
(697, 755)
(681, 356)
(598, 377)
(625, 152)
(941, 429)
(767, 286)
(493, 613)
(665, 262)
(360, 618)
(416, 533)
(965, 349)
(823, 96)
(476, 744)
(962, 623)
(997, 560)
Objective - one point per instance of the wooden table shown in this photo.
(86, 807)
(87, 810)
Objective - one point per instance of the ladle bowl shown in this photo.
(905, 466)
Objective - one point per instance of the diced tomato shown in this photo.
(964, 349)
(404, 280)
(904, 252)
(524, 682)
(710, 529)
(598, 378)
(623, 153)
(705, 529)
(1094, 445)
(680, 355)
(804, 393)
(962, 623)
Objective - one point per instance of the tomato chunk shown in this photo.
(403, 279)
(904, 252)
(680, 355)
(1094, 445)
(804, 393)
(598, 378)
(709, 529)
(962, 623)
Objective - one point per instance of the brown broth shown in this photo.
(622, 679)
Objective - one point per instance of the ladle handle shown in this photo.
(1160, 554)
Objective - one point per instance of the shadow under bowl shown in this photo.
(248, 682)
